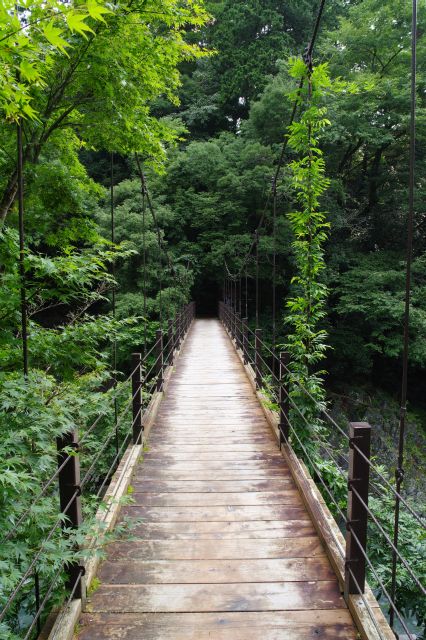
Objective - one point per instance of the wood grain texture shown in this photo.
(219, 473)
(224, 547)
(271, 625)
(212, 486)
(295, 547)
(230, 513)
(214, 499)
(220, 571)
(253, 596)
(223, 530)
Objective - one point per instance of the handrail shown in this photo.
(279, 387)
(328, 417)
(145, 383)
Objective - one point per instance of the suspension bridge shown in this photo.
(226, 548)
(228, 532)
(232, 534)
(229, 535)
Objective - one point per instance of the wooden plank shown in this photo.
(212, 530)
(265, 596)
(215, 465)
(223, 473)
(213, 448)
(215, 455)
(272, 625)
(224, 514)
(216, 571)
(248, 498)
(212, 486)
(296, 547)
(210, 429)
(172, 439)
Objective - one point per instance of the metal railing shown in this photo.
(71, 482)
(356, 468)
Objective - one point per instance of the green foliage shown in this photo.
(412, 547)
(307, 304)
(94, 76)
(370, 295)
(249, 39)
(69, 364)
(94, 84)
(31, 33)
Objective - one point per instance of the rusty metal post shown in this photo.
(245, 341)
(181, 317)
(284, 399)
(257, 357)
(357, 516)
(170, 340)
(188, 318)
(184, 319)
(159, 358)
(137, 426)
(177, 331)
(187, 308)
(70, 501)
(238, 330)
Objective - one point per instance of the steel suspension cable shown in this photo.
(161, 292)
(308, 53)
(246, 293)
(23, 289)
(257, 279)
(161, 245)
(113, 294)
(154, 216)
(274, 273)
(399, 472)
(144, 284)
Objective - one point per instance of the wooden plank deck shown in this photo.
(226, 549)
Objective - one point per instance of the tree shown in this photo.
(249, 38)
(96, 90)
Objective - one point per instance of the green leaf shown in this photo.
(96, 10)
(76, 22)
(28, 71)
(53, 35)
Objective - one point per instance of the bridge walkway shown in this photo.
(225, 548)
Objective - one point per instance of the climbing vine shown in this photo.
(306, 308)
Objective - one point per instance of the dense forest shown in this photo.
(168, 117)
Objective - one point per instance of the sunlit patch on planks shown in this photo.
(226, 549)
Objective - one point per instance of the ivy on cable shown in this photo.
(306, 306)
